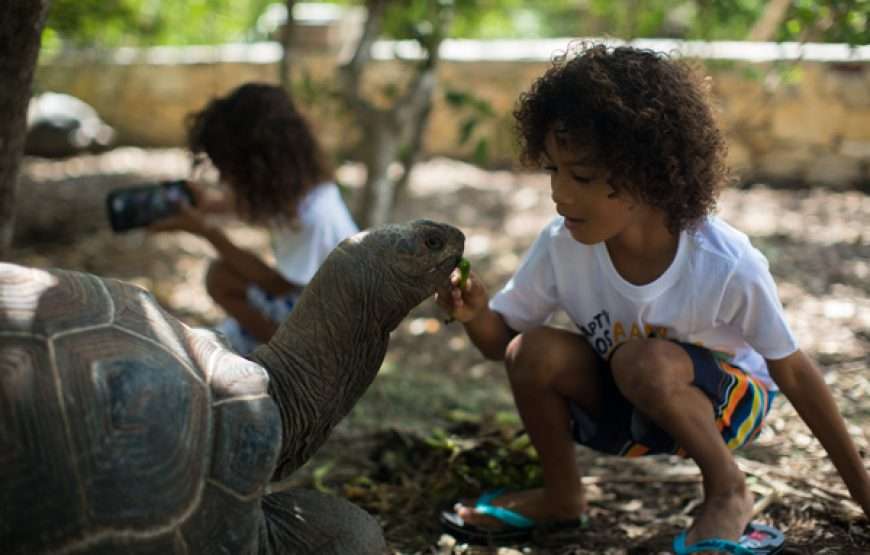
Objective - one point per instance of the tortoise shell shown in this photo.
(121, 425)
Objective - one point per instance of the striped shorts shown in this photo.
(740, 404)
(275, 308)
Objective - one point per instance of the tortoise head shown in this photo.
(329, 350)
(399, 265)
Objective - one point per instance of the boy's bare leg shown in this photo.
(229, 290)
(656, 376)
(547, 367)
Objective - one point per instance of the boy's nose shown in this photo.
(558, 192)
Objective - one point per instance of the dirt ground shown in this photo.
(438, 422)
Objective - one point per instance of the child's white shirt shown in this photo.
(717, 292)
(323, 221)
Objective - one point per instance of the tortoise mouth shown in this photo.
(448, 264)
(443, 269)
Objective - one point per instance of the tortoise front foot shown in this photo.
(305, 521)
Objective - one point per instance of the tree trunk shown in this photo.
(394, 133)
(411, 155)
(381, 150)
(287, 32)
(770, 20)
(21, 25)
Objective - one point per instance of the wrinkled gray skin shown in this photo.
(370, 284)
(124, 431)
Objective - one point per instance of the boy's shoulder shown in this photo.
(714, 236)
(322, 200)
(326, 191)
(727, 250)
(555, 238)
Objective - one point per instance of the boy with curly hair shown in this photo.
(682, 343)
(275, 175)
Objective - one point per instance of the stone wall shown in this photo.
(792, 113)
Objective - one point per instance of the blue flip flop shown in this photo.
(757, 539)
(517, 528)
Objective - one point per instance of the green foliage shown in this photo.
(725, 19)
(418, 20)
(805, 20)
(475, 110)
(150, 22)
(478, 453)
(154, 22)
(828, 21)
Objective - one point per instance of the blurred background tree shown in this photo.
(21, 26)
(109, 23)
(163, 22)
(393, 123)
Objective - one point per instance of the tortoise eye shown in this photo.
(435, 242)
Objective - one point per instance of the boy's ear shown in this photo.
(629, 200)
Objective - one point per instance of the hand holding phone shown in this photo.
(141, 206)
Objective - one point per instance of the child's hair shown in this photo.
(647, 119)
(262, 146)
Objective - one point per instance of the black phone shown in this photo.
(141, 205)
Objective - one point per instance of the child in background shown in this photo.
(681, 343)
(275, 175)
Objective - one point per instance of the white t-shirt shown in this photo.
(323, 222)
(717, 292)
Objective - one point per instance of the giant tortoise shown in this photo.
(122, 430)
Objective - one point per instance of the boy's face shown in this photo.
(593, 210)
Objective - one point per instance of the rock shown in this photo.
(60, 125)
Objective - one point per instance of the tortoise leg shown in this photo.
(305, 521)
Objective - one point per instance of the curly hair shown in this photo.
(262, 146)
(647, 118)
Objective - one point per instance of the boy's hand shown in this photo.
(198, 192)
(191, 219)
(187, 218)
(802, 383)
(210, 201)
(463, 303)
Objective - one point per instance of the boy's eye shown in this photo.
(581, 178)
(549, 169)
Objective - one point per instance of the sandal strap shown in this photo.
(711, 544)
(509, 517)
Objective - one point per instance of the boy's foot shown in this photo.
(498, 518)
(532, 504)
(757, 539)
(722, 516)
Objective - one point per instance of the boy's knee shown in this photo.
(220, 282)
(536, 356)
(651, 370)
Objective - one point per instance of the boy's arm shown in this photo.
(217, 203)
(210, 201)
(248, 264)
(489, 333)
(802, 383)
(244, 263)
(469, 304)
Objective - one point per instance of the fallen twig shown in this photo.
(641, 479)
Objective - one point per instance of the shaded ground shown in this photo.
(438, 421)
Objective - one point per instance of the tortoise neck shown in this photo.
(320, 361)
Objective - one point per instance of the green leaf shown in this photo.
(466, 129)
(455, 98)
(319, 475)
(481, 152)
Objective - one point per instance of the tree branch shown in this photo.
(287, 33)
(350, 74)
(770, 20)
(21, 25)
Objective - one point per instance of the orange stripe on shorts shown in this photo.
(736, 394)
